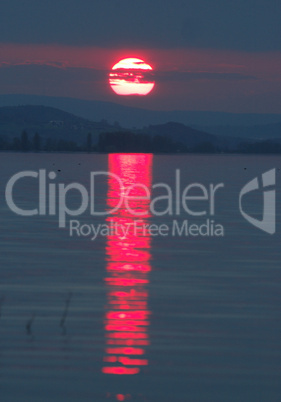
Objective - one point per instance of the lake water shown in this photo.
(141, 317)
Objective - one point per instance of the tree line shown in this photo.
(120, 141)
(37, 143)
(125, 141)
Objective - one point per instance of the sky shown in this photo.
(206, 55)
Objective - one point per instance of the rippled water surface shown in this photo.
(141, 317)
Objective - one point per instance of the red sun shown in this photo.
(131, 77)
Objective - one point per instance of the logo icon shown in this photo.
(268, 222)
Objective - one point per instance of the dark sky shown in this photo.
(207, 54)
(252, 25)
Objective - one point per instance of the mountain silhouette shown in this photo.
(48, 122)
(129, 117)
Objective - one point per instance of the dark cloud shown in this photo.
(34, 62)
(54, 71)
(189, 76)
(242, 24)
(53, 81)
(49, 72)
(174, 90)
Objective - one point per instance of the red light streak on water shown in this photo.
(128, 264)
(127, 335)
(120, 370)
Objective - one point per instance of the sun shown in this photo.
(131, 76)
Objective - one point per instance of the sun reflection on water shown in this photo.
(128, 265)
